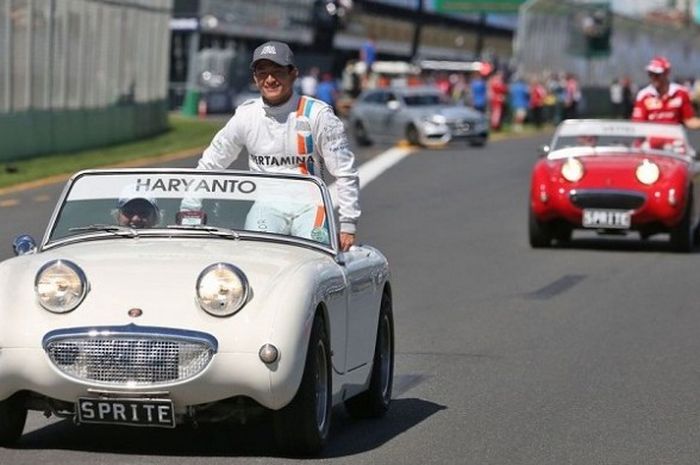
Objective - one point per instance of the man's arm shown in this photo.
(692, 123)
(688, 113)
(222, 151)
(340, 161)
(224, 147)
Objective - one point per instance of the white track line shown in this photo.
(372, 169)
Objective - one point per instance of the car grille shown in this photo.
(129, 359)
(626, 200)
(460, 127)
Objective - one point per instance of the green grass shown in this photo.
(184, 133)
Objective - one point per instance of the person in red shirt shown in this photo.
(498, 91)
(537, 95)
(664, 101)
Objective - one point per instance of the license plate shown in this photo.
(129, 412)
(612, 219)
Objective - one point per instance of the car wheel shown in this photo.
(563, 233)
(13, 415)
(361, 136)
(374, 402)
(478, 141)
(540, 233)
(302, 426)
(683, 235)
(412, 135)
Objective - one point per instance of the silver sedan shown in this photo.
(422, 115)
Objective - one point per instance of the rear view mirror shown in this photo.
(544, 150)
(393, 105)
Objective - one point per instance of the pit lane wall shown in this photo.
(77, 74)
(544, 43)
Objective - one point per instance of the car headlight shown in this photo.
(222, 289)
(648, 172)
(60, 286)
(435, 119)
(572, 170)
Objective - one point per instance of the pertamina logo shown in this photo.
(268, 50)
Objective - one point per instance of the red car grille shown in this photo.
(617, 199)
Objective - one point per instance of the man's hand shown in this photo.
(346, 240)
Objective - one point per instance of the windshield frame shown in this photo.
(572, 128)
(332, 249)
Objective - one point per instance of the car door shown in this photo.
(363, 281)
(372, 113)
(391, 122)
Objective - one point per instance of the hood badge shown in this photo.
(135, 312)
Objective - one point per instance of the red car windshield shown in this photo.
(667, 144)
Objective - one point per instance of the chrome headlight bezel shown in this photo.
(572, 169)
(67, 298)
(647, 172)
(231, 296)
(435, 120)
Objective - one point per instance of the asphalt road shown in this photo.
(505, 355)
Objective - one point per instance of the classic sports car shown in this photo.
(614, 177)
(155, 300)
(421, 115)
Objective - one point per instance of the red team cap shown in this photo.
(658, 65)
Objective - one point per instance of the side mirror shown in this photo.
(24, 244)
(544, 150)
(393, 105)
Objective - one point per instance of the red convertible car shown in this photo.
(613, 177)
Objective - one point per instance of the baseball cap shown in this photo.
(129, 194)
(277, 52)
(658, 65)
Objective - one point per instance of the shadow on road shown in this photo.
(348, 436)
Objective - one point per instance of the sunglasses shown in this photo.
(277, 73)
(654, 75)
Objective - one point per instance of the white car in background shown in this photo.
(194, 316)
(420, 115)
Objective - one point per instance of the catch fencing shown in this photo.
(81, 73)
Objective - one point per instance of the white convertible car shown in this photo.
(161, 296)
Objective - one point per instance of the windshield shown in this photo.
(139, 203)
(666, 144)
(623, 134)
(423, 100)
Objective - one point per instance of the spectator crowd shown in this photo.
(506, 97)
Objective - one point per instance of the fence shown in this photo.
(81, 73)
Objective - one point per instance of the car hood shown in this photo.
(133, 255)
(159, 277)
(452, 113)
(116, 266)
(619, 170)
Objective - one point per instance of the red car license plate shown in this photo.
(612, 219)
(128, 412)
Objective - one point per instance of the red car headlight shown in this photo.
(648, 172)
(572, 170)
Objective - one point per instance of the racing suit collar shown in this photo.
(280, 112)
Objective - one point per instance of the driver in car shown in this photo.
(587, 140)
(137, 212)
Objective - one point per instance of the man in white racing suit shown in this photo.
(284, 132)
